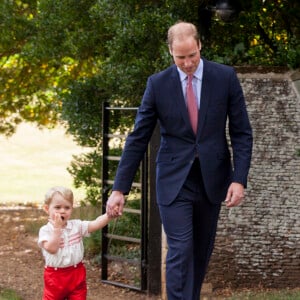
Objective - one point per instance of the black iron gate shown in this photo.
(126, 251)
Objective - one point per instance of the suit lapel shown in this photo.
(205, 95)
(179, 100)
(178, 96)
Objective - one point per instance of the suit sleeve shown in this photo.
(136, 142)
(240, 132)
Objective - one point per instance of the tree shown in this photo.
(60, 59)
(262, 33)
(41, 52)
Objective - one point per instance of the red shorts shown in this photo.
(65, 283)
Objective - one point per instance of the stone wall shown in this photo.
(258, 243)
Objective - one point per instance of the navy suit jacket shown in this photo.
(163, 101)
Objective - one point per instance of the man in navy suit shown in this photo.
(194, 172)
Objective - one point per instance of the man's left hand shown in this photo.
(235, 195)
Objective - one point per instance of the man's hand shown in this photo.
(115, 204)
(235, 195)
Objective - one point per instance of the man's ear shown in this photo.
(170, 51)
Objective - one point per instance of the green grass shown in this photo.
(8, 294)
(32, 161)
(267, 295)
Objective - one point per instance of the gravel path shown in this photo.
(21, 262)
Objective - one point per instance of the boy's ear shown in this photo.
(46, 208)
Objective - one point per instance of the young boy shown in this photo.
(62, 246)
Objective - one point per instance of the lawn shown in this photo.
(33, 160)
(267, 295)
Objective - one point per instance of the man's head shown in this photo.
(184, 46)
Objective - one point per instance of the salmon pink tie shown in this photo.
(192, 103)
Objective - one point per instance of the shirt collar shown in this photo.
(198, 74)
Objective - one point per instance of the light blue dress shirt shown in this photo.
(197, 81)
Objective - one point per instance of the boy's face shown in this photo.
(59, 209)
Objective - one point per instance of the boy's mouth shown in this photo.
(62, 218)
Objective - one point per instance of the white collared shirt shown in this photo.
(71, 249)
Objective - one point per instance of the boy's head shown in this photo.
(59, 204)
(66, 193)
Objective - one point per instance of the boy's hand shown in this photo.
(115, 213)
(57, 222)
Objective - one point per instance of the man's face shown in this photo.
(186, 54)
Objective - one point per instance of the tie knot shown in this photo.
(190, 78)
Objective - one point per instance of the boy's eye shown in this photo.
(59, 207)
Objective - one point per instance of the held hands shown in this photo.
(235, 195)
(115, 204)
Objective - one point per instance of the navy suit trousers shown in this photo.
(190, 224)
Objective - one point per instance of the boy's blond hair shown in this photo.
(65, 192)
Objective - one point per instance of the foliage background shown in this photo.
(61, 59)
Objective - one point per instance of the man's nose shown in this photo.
(187, 62)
